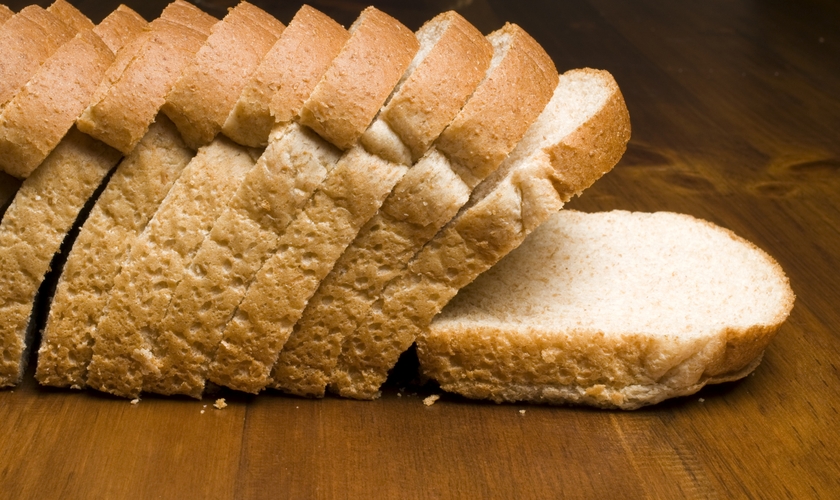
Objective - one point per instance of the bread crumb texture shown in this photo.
(614, 309)
(220, 404)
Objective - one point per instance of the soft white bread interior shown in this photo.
(579, 136)
(614, 309)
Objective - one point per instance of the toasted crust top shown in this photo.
(37, 118)
(502, 108)
(303, 64)
(207, 89)
(437, 89)
(71, 16)
(121, 25)
(33, 34)
(5, 14)
(359, 80)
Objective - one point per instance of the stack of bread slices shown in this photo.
(291, 206)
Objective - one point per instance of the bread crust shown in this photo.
(121, 113)
(119, 27)
(34, 35)
(437, 89)
(206, 91)
(498, 114)
(5, 14)
(285, 77)
(71, 16)
(134, 193)
(480, 347)
(360, 78)
(36, 119)
(33, 227)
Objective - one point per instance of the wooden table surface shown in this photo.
(735, 107)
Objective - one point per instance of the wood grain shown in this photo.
(736, 119)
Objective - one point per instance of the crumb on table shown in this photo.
(429, 401)
(135, 401)
(220, 404)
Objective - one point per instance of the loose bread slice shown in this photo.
(156, 262)
(221, 68)
(580, 135)
(120, 27)
(361, 77)
(33, 227)
(421, 203)
(71, 16)
(286, 77)
(121, 213)
(36, 119)
(33, 35)
(615, 310)
(143, 73)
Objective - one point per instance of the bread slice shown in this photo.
(221, 68)
(33, 34)
(156, 262)
(614, 310)
(133, 92)
(349, 195)
(120, 27)
(580, 135)
(287, 75)
(71, 16)
(33, 227)
(120, 215)
(36, 119)
(421, 203)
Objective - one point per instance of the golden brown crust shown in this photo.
(360, 78)
(502, 108)
(34, 35)
(71, 16)
(286, 77)
(437, 89)
(207, 89)
(34, 122)
(5, 14)
(32, 230)
(121, 26)
(123, 112)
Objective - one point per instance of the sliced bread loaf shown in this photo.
(134, 90)
(139, 298)
(579, 136)
(349, 195)
(425, 199)
(285, 176)
(207, 90)
(33, 35)
(615, 310)
(33, 227)
(286, 77)
(120, 215)
(36, 119)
